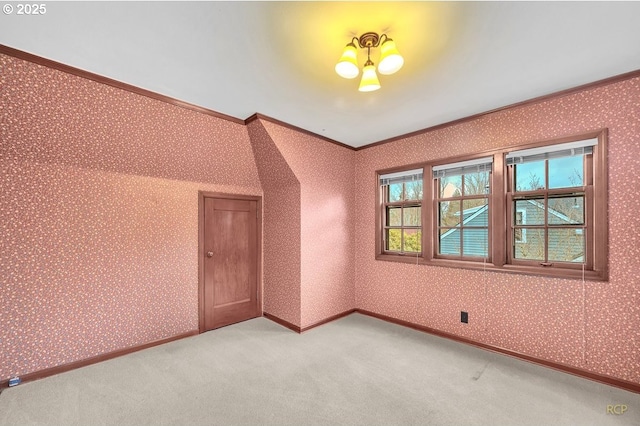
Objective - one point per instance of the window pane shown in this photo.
(413, 190)
(412, 216)
(475, 242)
(566, 172)
(476, 183)
(450, 241)
(450, 187)
(533, 248)
(412, 240)
(393, 240)
(520, 234)
(566, 245)
(394, 216)
(529, 176)
(395, 192)
(566, 210)
(475, 212)
(449, 213)
(532, 209)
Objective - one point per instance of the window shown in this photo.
(539, 208)
(551, 186)
(462, 209)
(402, 194)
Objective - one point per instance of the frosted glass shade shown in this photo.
(390, 59)
(369, 81)
(347, 66)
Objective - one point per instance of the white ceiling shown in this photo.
(277, 58)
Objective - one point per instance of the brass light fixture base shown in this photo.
(369, 40)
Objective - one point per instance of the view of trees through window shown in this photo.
(403, 221)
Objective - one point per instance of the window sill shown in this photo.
(575, 274)
(400, 258)
(511, 269)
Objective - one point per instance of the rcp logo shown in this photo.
(617, 409)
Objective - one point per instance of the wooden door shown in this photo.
(230, 258)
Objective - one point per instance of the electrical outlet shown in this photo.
(464, 317)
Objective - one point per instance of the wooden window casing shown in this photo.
(501, 215)
(406, 228)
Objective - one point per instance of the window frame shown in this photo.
(381, 252)
(402, 204)
(461, 199)
(547, 194)
(500, 221)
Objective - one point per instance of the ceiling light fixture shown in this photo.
(390, 60)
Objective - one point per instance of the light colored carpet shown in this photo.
(354, 371)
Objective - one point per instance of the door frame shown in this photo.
(201, 197)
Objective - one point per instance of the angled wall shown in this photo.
(325, 172)
(308, 223)
(281, 228)
(99, 214)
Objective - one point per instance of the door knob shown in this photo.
(209, 254)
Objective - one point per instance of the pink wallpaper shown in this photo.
(281, 228)
(99, 214)
(326, 221)
(593, 325)
(98, 226)
(308, 224)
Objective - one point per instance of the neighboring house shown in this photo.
(475, 239)
(565, 244)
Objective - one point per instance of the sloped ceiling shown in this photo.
(277, 58)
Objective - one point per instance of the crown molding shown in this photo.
(532, 101)
(113, 83)
(257, 116)
(133, 89)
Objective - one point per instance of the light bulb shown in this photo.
(347, 66)
(369, 81)
(390, 59)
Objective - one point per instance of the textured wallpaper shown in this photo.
(326, 221)
(99, 214)
(98, 226)
(592, 325)
(281, 228)
(308, 231)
